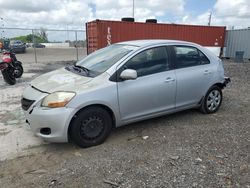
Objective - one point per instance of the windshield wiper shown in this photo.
(82, 68)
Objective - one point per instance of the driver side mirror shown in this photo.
(128, 74)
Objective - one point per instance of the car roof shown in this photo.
(145, 43)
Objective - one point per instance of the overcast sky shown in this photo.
(60, 14)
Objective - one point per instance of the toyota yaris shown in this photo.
(120, 84)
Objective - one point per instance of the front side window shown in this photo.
(187, 56)
(150, 61)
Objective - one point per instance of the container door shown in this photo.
(154, 89)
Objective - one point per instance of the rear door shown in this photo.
(154, 89)
(193, 74)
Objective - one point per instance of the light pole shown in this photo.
(68, 32)
(133, 15)
(2, 27)
(209, 18)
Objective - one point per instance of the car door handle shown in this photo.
(169, 80)
(207, 72)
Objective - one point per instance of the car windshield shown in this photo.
(103, 59)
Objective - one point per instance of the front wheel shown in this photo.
(90, 127)
(212, 101)
(8, 76)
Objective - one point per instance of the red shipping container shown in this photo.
(101, 33)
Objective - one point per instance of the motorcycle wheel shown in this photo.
(18, 69)
(8, 76)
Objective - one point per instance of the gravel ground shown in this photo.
(186, 149)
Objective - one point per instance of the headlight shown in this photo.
(57, 99)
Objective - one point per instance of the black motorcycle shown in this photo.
(10, 67)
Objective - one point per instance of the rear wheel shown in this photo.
(18, 69)
(8, 76)
(212, 100)
(90, 127)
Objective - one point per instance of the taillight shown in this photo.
(6, 58)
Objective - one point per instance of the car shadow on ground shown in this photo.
(126, 132)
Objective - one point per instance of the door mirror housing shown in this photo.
(128, 74)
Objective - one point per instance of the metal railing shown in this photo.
(48, 45)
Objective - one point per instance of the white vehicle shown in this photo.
(120, 84)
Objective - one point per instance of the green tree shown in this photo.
(39, 37)
(43, 34)
(29, 38)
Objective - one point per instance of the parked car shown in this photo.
(17, 46)
(38, 45)
(28, 45)
(120, 84)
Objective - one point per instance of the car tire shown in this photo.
(212, 101)
(90, 127)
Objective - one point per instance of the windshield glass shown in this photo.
(100, 60)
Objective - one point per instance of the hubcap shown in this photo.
(213, 100)
(16, 71)
(91, 127)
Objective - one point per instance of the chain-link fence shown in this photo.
(45, 45)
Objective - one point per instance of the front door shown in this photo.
(154, 89)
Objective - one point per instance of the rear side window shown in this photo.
(187, 56)
(203, 58)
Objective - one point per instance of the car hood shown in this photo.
(60, 80)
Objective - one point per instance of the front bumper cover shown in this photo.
(57, 120)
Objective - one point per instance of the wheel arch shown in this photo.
(220, 85)
(201, 103)
(108, 109)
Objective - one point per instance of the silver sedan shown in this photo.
(120, 84)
